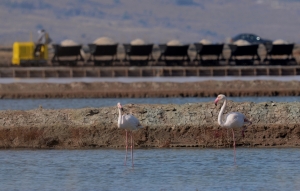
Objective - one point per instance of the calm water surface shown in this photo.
(26, 104)
(155, 169)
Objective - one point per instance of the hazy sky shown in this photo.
(156, 21)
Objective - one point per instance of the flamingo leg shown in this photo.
(243, 131)
(233, 145)
(126, 146)
(132, 149)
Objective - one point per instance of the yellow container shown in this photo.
(24, 52)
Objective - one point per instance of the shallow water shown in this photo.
(155, 169)
(26, 104)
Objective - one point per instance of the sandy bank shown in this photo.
(150, 89)
(274, 124)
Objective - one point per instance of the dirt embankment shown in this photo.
(188, 125)
(150, 89)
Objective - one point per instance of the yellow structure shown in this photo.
(23, 53)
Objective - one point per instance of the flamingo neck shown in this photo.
(120, 120)
(220, 116)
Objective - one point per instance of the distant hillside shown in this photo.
(154, 21)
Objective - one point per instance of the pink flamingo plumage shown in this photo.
(129, 123)
(232, 119)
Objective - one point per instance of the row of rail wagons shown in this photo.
(150, 55)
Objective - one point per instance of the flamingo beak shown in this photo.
(216, 101)
(248, 121)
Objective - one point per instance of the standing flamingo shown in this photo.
(128, 122)
(232, 119)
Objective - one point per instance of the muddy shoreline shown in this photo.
(149, 89)
(169, 125)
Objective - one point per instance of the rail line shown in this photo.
(147, 71)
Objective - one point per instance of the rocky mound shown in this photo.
(187, 125)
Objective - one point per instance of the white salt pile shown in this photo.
(68, 42)
(205, 41)
(241, 43)
(174, 43)
(104, 41)
(280, 41)
(137, 41)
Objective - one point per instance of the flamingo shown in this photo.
(232, 119)
(129, 123)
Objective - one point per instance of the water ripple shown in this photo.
(26, 104)
(155, 169)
